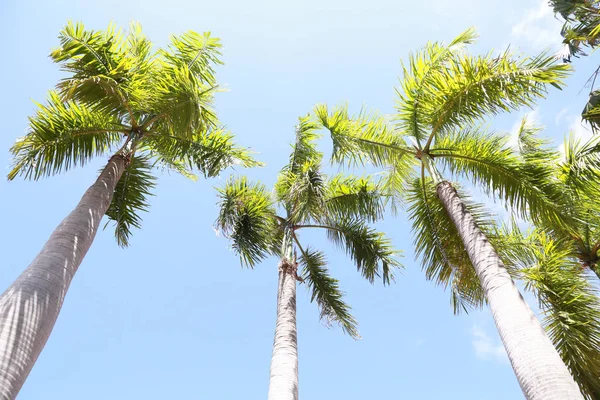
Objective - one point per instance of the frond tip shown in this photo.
(247, 216)
(326, 292)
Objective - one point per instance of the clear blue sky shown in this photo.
(175, 316)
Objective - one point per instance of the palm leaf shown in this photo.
(326, 292)
(130, 198)
(247, 217)
(571, 308)
(473, 87)
(528, 186)
(438, 244)
(197, 53)
(419, 80)
(349, 196)
(210, 153)
(370, 250)
(63, 135)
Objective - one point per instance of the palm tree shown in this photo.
(121, 97)
(341, 205)
(554, 263)
(443, 95)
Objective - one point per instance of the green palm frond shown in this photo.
(580, 168)
(183, 105)
(370, 250)
(210, 153)
(130, 198)
(438, 244)
(303, 193)
(528, 185)
(419, 79)
(63, 135)
(364, 138)
(198, 53)
(473, 87)
(100, 67)
(301, 184)
(304, 150)
(247, 217)
(350, 196)
(326, 292)
(88, 52)
(571, 308)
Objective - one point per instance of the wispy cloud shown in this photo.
(539, 28)
(486, 348)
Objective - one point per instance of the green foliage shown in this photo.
(443, 96)
(63, 135)
(341, 205)
(301, 184)
(370, 250)
(210, 153)
(582, 23)
(439, 246)
(570, 306)
(326, 291)
(130, 197)
(420, 76)
(524, 181)
(152, 106)
(349, 196)
(247, 217)
(473, 87)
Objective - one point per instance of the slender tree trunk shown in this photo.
(537, 365)
(283, 382)
(30, 306)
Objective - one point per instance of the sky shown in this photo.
(175, 315)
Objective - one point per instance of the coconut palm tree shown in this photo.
(443, 95)
(144, 107)
(307, 199)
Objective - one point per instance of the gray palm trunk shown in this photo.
(30, 306)
(283, 382)
(537, 365)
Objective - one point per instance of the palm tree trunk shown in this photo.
(283, 382)
(30, 306)
(537, 365)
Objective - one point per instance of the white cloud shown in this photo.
(539, 28)
(486, 348)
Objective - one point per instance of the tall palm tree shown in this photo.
(554, 263)
(444, 94)
(341, 205)
(121, 97)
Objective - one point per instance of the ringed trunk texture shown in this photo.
(30, 306)
(283, 381)
(537, 365)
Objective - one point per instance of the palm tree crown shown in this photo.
(444, 95)
(155, 107)
(341, 205)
